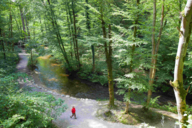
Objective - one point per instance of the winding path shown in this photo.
(85, 108)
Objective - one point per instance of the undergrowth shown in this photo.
(21, 109)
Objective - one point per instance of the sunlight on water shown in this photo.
(55, 78)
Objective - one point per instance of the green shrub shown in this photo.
(32, 62)
(22, 109)
(29, 109)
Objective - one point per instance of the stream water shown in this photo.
(53, 76)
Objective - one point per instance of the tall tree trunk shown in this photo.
(93, 57)
(72, 29)
(132, 54)
(18, 27)
(88, 27)
(75, 29)
(58, 35)
(110, 72)
(27, 28)
(23, 22)
(2, 44)
(155, 48)
(153, 61)
(42, 30)
(11, 32)
(69, 27)
(19, 22)
(34, 32)
(177, 84)
(108, 55)
(32, 58)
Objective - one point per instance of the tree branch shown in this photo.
(179, 30)
(187, 90)
(170, 82)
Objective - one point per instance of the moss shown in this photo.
(179, 37)
(183, 13)
(175, 84)
(108, 113)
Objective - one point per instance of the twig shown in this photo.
(179, 30)
(188, 89)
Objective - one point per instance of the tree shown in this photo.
(75, 34)
(155, 48)
(57, 32)
(23, 21)
(177, 84)
(132, 55)
(108, 53)
(88, 27)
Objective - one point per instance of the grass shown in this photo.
(136, 115)
(102, 99)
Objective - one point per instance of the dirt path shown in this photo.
(85, 108)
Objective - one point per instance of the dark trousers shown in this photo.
(73, 114)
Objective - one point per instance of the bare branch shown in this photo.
(179, 30)
(187, 90)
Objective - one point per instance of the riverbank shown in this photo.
(86, 108)
(89, 111)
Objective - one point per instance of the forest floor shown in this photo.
(92, 113)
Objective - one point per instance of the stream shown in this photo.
(53, 77)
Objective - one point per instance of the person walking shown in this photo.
(73, 112)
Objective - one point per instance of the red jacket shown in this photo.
(73, 110)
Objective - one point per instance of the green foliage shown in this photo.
(153, 102)
(134, 81)
(30, 109)
(167, 107)
(21, 109)
(7, 66)
(32, 61)
(53, 26)
(85, 73)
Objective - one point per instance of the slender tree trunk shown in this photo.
(23, 22)
(177, 84)
(153, 62)
(33, 33)
(18, 27)
(110, 72)
(19, 23)
(71, 21)
(69, 27)
(41, 24)
(11, 32)
(56, 28)
(155, 48)
(2, 45)
(93, 56)
(131, 70)
(88, 27)
(132, 54)
(75, 29)
(108, 55)
(27, 28)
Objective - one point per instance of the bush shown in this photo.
(32, 62)
(21, 109)
(29, 109)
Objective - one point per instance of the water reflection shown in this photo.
(54, 77)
